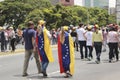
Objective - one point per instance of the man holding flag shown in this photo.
(44, 48)
(66, 52)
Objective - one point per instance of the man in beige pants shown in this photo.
(30, 47)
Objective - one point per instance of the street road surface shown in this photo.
(11, 67)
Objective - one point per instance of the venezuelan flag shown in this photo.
(44, 47)
(66, 54)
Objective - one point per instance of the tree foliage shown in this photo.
(18, 12)
(13, 13)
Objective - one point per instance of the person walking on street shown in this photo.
(30, 47)
(44, 46)
(66, 52)
(105, 33)
(12, 38)
(88, 36)
(82, 41)
(74, 36)
(2, 35)
(113, 40)
(97, 40)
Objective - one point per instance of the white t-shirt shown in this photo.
(6, 35)
(80, 33)
(88, 35)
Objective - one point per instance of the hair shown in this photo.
(81, 24)
(112, 29)
(62, 37)
(30, 23)
(89, 29)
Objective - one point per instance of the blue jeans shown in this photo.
(44, 66)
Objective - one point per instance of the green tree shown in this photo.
(35, 15)
(14, 13)
(36, 4)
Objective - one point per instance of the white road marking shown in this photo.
(53, 72)
(9, 55)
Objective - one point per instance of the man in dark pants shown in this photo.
(2, 35)
(30, 47)
(81, 40)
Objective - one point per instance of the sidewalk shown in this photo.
(20, 50)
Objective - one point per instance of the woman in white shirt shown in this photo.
(88, 37)
(12, 38)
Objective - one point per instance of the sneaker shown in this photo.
(104, 50)
(98, 62)
(110, 61)
(25, 74)
(89, 59)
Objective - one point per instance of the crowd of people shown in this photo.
(83, 38)
(94, 36)
(9, 38)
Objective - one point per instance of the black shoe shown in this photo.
(77, 50)
(104, 50)
(44, 74)
(82, 58)
(109, 61)
(25, 74)
(66, 76)
(98, 62)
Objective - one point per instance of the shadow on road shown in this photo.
(61, 77)
(91, 63)
(30, 76)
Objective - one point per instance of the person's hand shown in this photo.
(92, 44)
(22, 43)
(35, 49)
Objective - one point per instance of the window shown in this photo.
(67, 0)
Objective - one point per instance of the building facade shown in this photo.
(96, 3)
(63, 2)
(118, 11)
(67, 2)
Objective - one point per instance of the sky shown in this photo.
(1, 0)
(112, 3)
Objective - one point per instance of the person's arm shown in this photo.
(49, 35)
(101, 37)
(23, 39)
(117, 36)
(93, 39)
(34, 42)
(84, 34)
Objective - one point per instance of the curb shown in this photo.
(19, 51)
